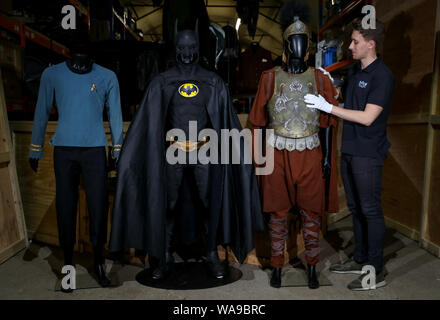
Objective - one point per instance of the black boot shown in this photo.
(275, 281)
(102, 278)
(99, 269)
(68, 256)
(164, 269)
(68, 261)
(214, 264)
(312, 278)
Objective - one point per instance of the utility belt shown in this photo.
(290, 144)
(188, 146)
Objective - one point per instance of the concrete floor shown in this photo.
(413, 274)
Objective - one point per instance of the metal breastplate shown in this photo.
(288, 114)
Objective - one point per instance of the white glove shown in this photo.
(318, 102)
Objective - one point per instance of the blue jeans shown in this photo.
(362, 179)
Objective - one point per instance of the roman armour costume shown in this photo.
(300, 158)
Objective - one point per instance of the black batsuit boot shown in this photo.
(164, 269)
(214, 264)
(98, 268)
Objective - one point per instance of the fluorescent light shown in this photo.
(237, 25)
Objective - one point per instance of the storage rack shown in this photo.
(125, 26)
(82, 9)
(339, 18)
(27, 33)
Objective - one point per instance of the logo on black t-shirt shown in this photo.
(363, 84)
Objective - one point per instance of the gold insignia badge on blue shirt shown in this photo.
(93, 87)
(188, 90)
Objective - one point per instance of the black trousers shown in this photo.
(175, 176)
(69, 164)
(362, 179)
(199, 175)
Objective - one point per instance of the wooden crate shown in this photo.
(260, 256)
(402, 182)
(433, 219)
(13, 235)
(411, 50)
(38, 189)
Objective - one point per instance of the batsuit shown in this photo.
(139, 216)
(297, 179)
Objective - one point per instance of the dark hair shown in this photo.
(377, 34)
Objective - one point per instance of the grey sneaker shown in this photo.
(357, 284)
(349, 266)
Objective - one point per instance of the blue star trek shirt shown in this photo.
(80, 101)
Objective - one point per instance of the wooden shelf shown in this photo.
(434, 119)
(5, 157)
(339, 65)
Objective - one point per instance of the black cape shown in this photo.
(140, 201)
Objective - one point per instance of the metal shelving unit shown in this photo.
(82, 9)
(29, 34)
(124, 24)
(335, 21)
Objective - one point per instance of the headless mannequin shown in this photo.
(80, 63)
(295, 51)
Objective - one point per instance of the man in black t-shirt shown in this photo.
(364, 146)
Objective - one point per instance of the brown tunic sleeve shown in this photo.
(258, 114)
(329, 92)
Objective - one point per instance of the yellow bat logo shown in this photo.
(188, 90)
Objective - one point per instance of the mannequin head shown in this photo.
(296, 52)
(80, 43)
(80, 61)
(294, 20)
(187, 45)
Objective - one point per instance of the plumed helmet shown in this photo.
(294, 19)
